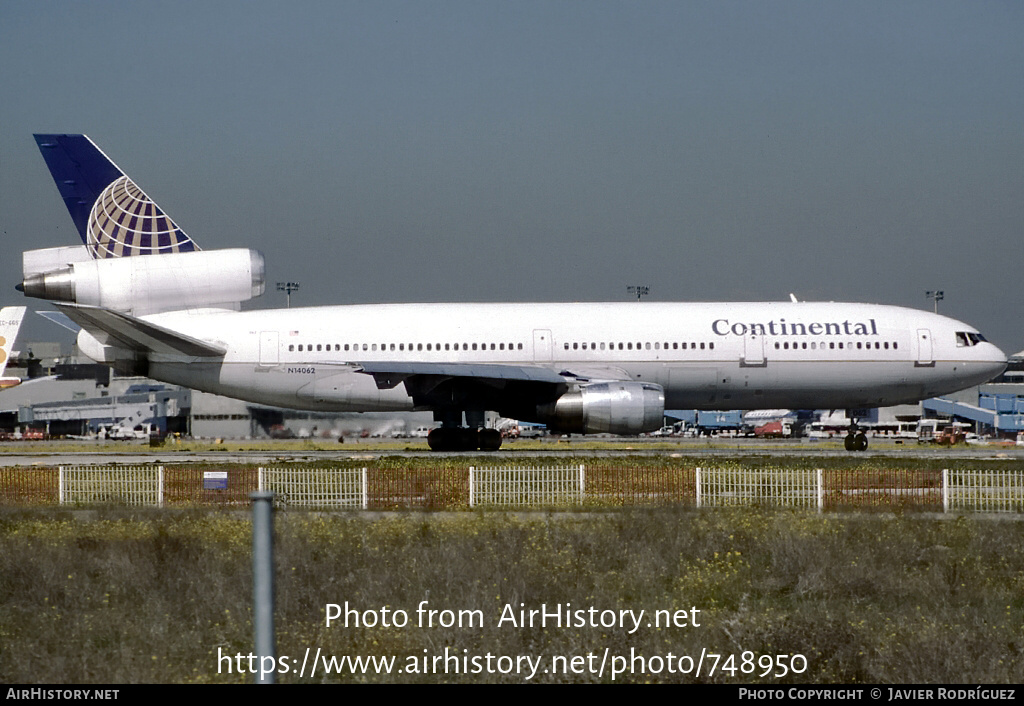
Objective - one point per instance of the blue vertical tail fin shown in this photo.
(114, 216)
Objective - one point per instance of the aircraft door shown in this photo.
(753, 352)
(542, 351)
(925, 357)
(268, 348)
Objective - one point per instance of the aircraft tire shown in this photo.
(861, 442)
(440, 439)
(850, 442)
(489, 439)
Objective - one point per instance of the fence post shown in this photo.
(366, 498)
(698, 486)
(821, 490)
(263, 581)
(261, 481)
(471, 486)
(160, 486)
(581, 483)
(60, 484)
(945, 490)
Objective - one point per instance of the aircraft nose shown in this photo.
(995, 360)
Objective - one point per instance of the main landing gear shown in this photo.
(464, 439)
(451, 436)
(855, 440)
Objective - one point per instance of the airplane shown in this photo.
(10, 322)
(151, 302)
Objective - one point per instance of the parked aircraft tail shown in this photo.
(114, 217)
(10, 322)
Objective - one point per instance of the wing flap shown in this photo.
(138, 335)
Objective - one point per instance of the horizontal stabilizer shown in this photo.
(56, 317)
(138, 335)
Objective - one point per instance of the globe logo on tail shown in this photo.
(125, 222)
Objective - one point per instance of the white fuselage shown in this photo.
(704, 355)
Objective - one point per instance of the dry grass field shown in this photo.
(112, 595)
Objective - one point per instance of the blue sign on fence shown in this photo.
(215, 480)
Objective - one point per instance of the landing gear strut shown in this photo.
(451, 436)
(855, 440)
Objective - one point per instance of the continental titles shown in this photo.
(725, 327)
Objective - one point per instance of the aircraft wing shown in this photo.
(138, 335)
(391, 374)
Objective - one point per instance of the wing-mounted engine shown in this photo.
(145, 285)
(606, 407)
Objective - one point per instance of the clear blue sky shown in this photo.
(503, 151)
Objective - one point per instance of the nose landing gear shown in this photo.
(855, 440)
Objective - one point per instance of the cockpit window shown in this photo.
(966, 338)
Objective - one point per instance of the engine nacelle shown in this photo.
(607, 408)
(148, 284)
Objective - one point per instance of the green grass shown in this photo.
(115, 596)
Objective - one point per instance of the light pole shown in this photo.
(937, 296)
(639, 290)
(288, 288)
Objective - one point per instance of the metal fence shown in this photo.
(982, 491)
(723, 487)
(315, 487)
(598, 485)
(524, 487)
(123, 485)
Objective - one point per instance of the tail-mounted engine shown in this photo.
(147, 284)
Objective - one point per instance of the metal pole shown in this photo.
(263, 584)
